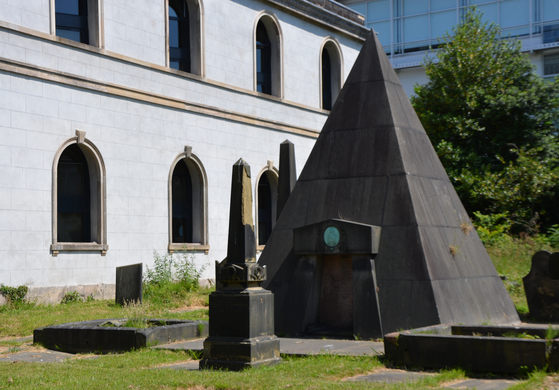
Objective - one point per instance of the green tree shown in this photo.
(492, 121)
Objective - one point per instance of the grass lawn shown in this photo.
(148, 368)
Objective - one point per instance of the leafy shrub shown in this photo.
(14, 295)
(171, 276)
(553, 236)
(71, 297)
(492, 228)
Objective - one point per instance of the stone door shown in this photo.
(335, 307)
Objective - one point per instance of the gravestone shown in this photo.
(373, 164)
(241, 326)
(542, 286)
(287, 174)
(128, 284)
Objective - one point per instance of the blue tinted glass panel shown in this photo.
(69, 34)
(515, 13)
(472, 2)
(174, 64)
(416, 29)
(437, 5)
(383, 31)
(70, 7)
(361, 8)
(550, 10)
(173, 33)
(412, 7)
(490, 13)
(378, 10)
(442, 23)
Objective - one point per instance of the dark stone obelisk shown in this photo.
(287, 174)
(241, 330)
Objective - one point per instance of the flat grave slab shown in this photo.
(301, 347)
(394, 376)
(505, 349)
(111, 335)
(391, 376)
(36, 357)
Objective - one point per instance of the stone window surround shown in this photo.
(333, 46)
(204, 244)
(272, 25)
(95, 22)
(98, 200)
(275, 173)
(196, 25)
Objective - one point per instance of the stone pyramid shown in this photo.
(373, 164)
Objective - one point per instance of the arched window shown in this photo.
(331, 73)
(267, 56)
(74, 202)
(263, 60)
(78, 197)
(187, 204)
(77, 20)
(184, 35)
(182, 203)
(266, 205)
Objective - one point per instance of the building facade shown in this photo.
(119, 125)
(409, 29)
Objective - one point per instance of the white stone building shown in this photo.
(120, 121)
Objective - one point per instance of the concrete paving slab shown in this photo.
(391, 376)
(403, 376)
(190, 365)
(302, 347)
(36, 357)
(483, 384)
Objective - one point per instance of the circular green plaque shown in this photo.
(331, 236)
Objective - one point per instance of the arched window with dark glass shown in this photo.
(182, 204)
(326, 81)
(179, 35)
(73, 197)
(263, 60)
(187, 204)
(72, 20)
(268, 56)
(331, 71)
(267, 203)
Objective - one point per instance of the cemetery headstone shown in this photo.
(241, 325)
(542, 286)
(128, 284)
(287, 174)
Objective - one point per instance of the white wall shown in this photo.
(139, 141)
(136, 29)
(34, 14)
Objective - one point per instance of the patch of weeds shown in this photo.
(71, 297)
(140, 323)
(172, 277)
(14, 295)
(522, 335)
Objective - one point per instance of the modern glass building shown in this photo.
(409, 28)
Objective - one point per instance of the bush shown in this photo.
(553, 236)
(493, 228)
(171, 276)
(71, 297)
(14, 295)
